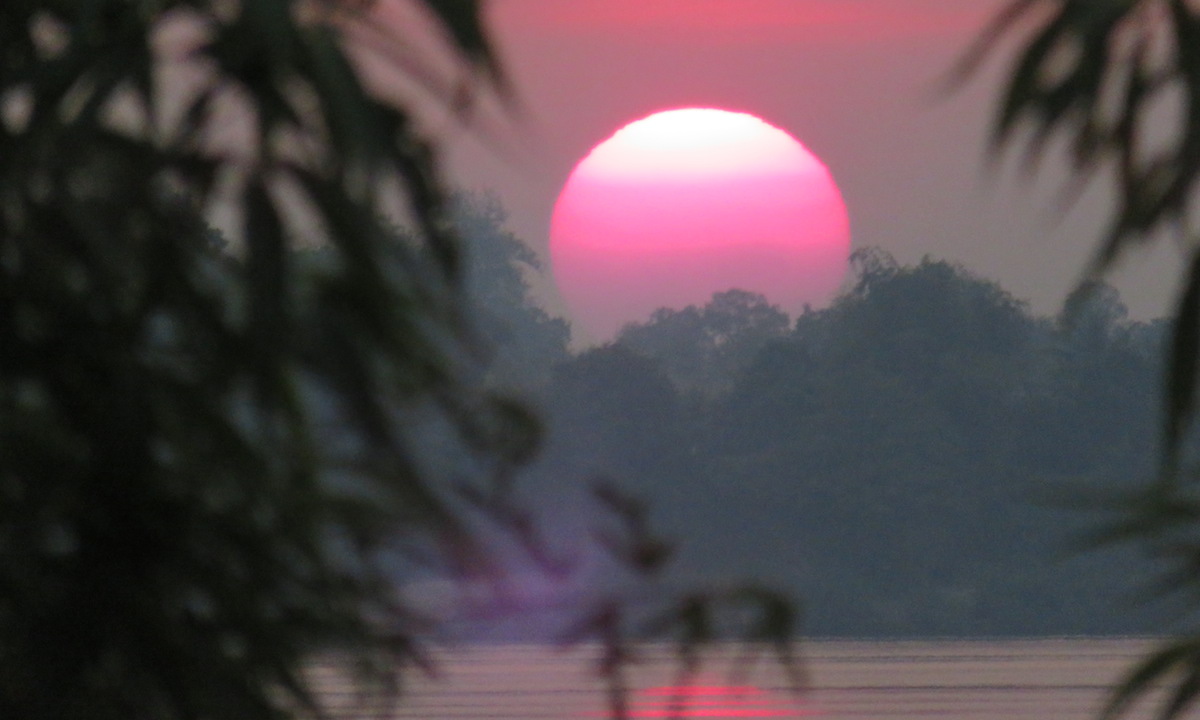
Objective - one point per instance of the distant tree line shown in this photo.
(921, 458)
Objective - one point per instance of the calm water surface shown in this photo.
(1047, 679)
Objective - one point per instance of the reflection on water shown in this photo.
(1064, 679)
(712, 701)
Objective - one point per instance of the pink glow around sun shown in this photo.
(687, 203)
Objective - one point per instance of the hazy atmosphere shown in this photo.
(911, 455)
(861, 82)
(560, 359)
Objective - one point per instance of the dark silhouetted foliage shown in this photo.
(222, 456)
(1100, 76)
(205, 451)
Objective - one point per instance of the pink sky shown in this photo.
(855, 80)
(739, 20)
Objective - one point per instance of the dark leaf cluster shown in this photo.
(1119, 81)
(205, 446)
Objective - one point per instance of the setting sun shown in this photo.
(686, 203)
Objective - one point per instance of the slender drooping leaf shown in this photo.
(1152, 670)
(1183, 365)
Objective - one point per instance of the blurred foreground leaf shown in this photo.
(206, 446)
(1101, 75)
